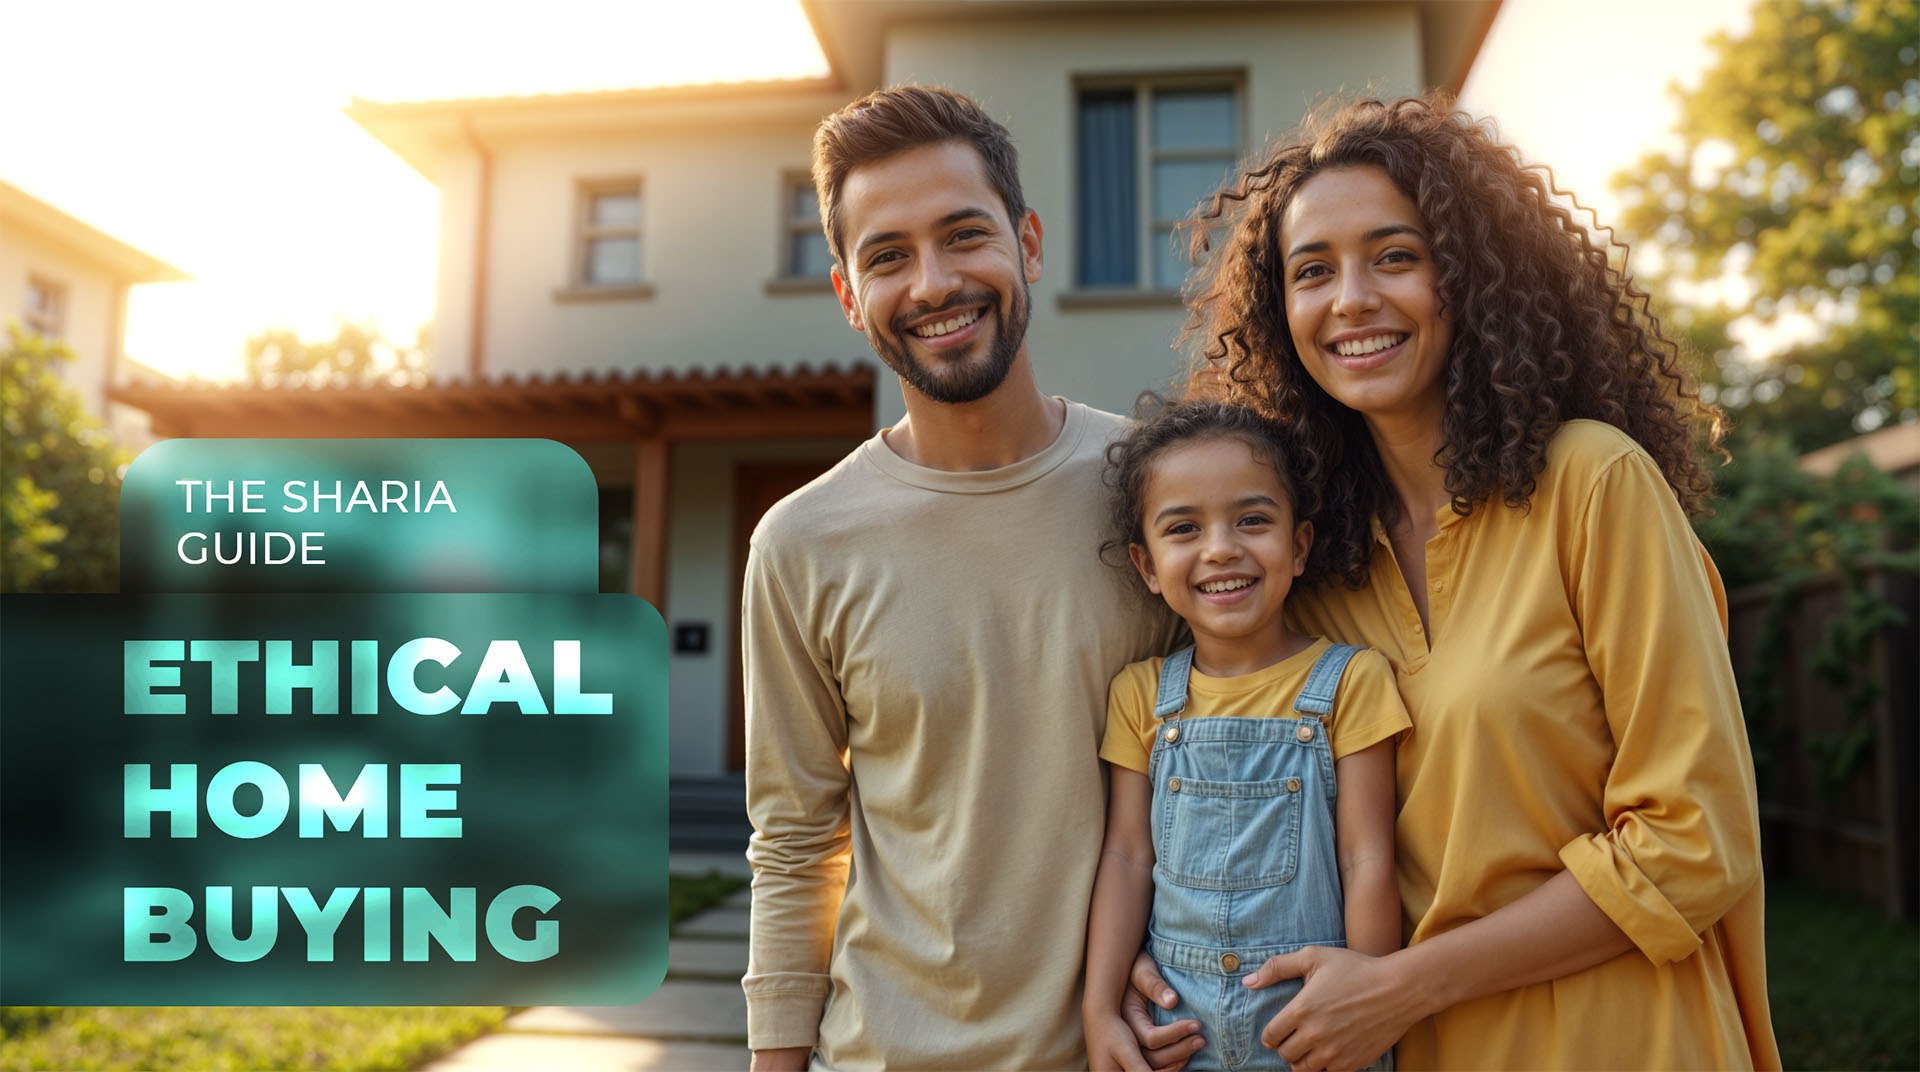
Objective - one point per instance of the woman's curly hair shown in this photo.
(1546, 328)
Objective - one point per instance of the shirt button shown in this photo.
(1293, 785)
(1229, 962)
(1418, 629)
(1173, 785)
(1304, 733)
(1173, 734)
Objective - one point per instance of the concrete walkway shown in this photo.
(697, 1020)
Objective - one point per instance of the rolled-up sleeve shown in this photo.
(1682, 843)
(797, 799)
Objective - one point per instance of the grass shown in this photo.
(1843, 981)
(215, 1039)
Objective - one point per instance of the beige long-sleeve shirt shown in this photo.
(927, 658)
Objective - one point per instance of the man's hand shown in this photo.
(1165, 1048)
(790, 1059)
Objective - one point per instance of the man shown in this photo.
(929, 635)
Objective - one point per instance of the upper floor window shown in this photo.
(804, 252)
(46, 308)
(1149, 151)
(609, 245)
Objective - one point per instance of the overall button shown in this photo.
(1173, 785)
(1229, 962)
(1304, 733)
(1293, 785)
(1173, 734)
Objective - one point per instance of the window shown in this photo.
(46, 310)
(1149, 151)
(803, 246)
(609, 249)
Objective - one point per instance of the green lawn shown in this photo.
(1844, 982)
(348, 1039)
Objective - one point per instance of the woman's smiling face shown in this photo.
(1361, 295)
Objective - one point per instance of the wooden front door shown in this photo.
(756, 487)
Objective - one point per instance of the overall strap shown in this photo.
(1323, 681)
(1173, 683)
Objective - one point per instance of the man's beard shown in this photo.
(961, 378)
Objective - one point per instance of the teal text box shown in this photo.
(573, 804)
(359, 515)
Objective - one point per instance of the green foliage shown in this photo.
(1800, 152)
(59, 478)
(1789, 529)
(357, 354)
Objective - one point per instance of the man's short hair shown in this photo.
(898, 118)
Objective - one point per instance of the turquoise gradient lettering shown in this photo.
(567, 697)
(504, 677)
(156, 937)
(365, 800)
(140, 799)
(546, 932)
(418, 796)
(262, 933)
(319, 922)
(223, 659)
(376, 946)
(142, 677)
(451, 927)
(321, 677)
(402, 685)
(366, 677)
(225, 813)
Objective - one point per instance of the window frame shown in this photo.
(1146, 155)
(794, 228)
(586, 232)
(48, 320)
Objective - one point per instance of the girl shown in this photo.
(1506, 440)
(1224, 756)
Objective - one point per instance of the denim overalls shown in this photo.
(1245, 866)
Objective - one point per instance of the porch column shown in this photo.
(651, 479)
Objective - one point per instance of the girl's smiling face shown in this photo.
(1222, 548)
(1361, 296)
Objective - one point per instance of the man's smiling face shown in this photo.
(936, 274)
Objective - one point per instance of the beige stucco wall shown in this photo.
(95, 304)
(711, 239)
(1025, 75)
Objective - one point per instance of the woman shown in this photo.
(1502, 441)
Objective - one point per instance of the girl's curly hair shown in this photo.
(1546, 328)
(1161, 426)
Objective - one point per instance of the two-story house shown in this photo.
(641, 273)
(65, 280)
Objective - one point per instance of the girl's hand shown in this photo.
(1110, 1044)
(1352, 1009)
(1166, 1047)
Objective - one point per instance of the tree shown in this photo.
(1789, 211)
(59, 478)
(357, 354)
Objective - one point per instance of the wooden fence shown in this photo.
(1844, 824)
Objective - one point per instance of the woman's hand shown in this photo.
(1352, 1009)
(1168, 1046)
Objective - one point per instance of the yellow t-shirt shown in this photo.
(1574, 709)
(1366, 709)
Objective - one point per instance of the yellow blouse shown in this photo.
(1574, 709)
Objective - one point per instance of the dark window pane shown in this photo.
(804, 204)
(1178, 185)
(1109, 205)
(1194, 119)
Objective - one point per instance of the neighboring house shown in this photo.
(1894, 449)
(641, 273)
(68, 281)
